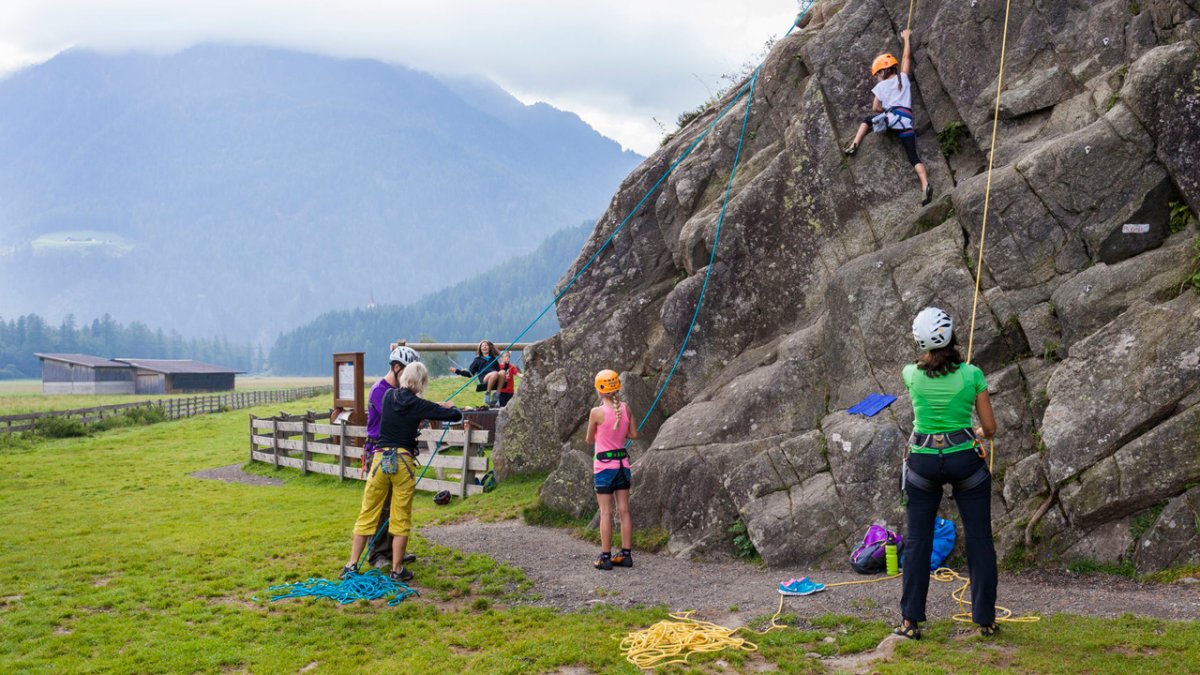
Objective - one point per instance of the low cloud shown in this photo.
(618, 64)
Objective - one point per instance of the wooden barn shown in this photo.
(178, 376)
(84, 374)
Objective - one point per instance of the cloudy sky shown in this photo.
(617, 63)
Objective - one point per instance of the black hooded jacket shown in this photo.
(402, 414)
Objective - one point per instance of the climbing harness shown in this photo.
(942, 441)
(611, 455)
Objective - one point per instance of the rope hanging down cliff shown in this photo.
(741, 92)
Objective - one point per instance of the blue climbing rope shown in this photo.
(712, 257)
(637, 207)
(370, 586)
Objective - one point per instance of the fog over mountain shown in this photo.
(240, 191)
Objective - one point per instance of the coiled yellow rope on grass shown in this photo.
(674, 641)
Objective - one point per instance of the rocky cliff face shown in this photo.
(1087, 329)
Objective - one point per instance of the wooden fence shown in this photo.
(173, 408)
(455, 468)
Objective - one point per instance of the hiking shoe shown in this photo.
(622, 560)
(803, 586)
(851, 149)
(604, 562)
(349, 569)
(928, 195)
(908, 629)
(401, 575)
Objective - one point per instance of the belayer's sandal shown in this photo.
(989, 631)
(909, 630)
(349, 569)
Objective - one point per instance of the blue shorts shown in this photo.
(610, 480)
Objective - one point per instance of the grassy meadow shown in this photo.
(115, 559)
(25, 396)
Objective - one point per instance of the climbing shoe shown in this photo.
(803, 586)
(401, 575)
(604, 562)
(989, 631)
(908, 629)
(349, 569)
(623, 559)
(928, 195)
(851, 149)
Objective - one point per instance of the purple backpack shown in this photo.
(869, 556)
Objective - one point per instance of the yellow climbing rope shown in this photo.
(911, 4)
(987, 191)
(947, 575)
(674, 641)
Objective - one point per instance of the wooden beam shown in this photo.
(457, 346)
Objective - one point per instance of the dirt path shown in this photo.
(731, 593)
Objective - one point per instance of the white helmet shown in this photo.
(404, 356)
(932, 328)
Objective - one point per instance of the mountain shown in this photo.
(1088, 323)
(240, 190)
(497, 305)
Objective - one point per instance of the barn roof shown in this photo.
(83, 360)
(177, 366)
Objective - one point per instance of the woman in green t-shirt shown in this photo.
(945, 391)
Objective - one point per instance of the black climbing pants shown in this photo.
(975, 507)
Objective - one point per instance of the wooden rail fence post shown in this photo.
(304, 447)
(466, 462)
(275, 440)
(342, 453)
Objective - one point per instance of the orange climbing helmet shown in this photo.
(607, 381)
(882, 62)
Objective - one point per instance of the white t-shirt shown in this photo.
(890, 97)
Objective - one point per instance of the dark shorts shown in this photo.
(504, 399)
(611, 480)
(907, 137)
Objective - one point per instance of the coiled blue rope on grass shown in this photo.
(372, 585)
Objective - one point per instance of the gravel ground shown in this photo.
(731, 593)
(234, 474)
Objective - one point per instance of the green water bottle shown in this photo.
(893, 560)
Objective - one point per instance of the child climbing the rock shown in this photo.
(892, 109)
(609, 426)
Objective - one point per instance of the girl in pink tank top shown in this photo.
(610, 427)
